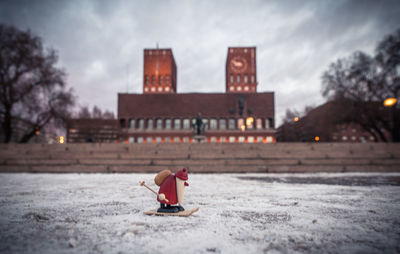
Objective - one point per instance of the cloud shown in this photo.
(101, 43)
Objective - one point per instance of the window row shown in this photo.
(240, 88)
(222, 139)
(238, 79)
(187, 123)
(155, 80)
(158, 89)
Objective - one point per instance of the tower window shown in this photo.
(238, 78)
(222, 123)
(177, 123)
(246, 79)
(160, 80)
(149, 123)
(232, 79)
(232, 125)
(259, 123)
(167, 80)
(186, 123)
(132, 123)
(153, 80)
(252, 79)
(146, 80)
(213, 123)
(141, 123)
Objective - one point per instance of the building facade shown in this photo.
(161, 115)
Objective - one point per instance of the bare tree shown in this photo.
(361, 83)
(96, 113)
(33, 91)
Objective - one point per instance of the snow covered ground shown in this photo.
(239, 213)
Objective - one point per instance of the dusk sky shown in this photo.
(100, 43)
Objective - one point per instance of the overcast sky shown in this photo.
(100, 43)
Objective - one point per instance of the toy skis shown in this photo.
(170, 195)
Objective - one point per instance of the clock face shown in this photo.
(238, 64)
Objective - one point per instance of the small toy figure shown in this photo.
(172, 190)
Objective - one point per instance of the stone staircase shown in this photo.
(201, 158)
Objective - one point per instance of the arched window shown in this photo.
(149, 123)
(122, 122)
(213, 123)
(232, 124)
(132, 123)
(141, 123)
(159, 123)
(186, 123)
(177, 123)
(259, 123)
(222, 123)
(167, 123)
(246, 80)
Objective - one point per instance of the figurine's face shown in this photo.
(180, 190)
(238, 64)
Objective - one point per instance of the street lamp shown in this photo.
(390, 102)
(296, 119)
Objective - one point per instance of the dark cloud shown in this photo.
(101, 43)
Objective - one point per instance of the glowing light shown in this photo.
(249, 121)
(37, 132)
(243, 127)
(389, 102)
(296, 119)
(316, 138)
(61, 140)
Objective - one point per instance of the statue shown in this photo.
(199, 126)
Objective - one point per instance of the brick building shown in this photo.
(161, 115)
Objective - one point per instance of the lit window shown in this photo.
(167, 140)
(222, 139)
(259, 123)
(240, 123)
(241, 139)
(353, 138)
(238, 78)
(232, 139)
(232, 124)
(239, 88)
(140, 140)
(159, 123)
(149, 123)
(213, 139)
(186, 123)
(213, 123)
(269, 139)
(160, 89)
(250, 139)
(158, 140)
(167, 123)
(149, 140)
(153, 89)
(177, 140)
(132, 123)
(131, 140)
(185, 140)
(344, 138)
(141, 123)
(167, 89)
(146, 89)
(246, 88)
(246, 79)
(177, 123)
(222, 124)
(231, 88)
(259, 139)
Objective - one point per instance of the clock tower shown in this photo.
(241, 71)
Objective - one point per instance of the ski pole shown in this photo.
(161, 196)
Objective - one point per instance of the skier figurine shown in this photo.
(172, 190)
(170, 194)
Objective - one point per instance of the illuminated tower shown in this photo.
(241, 71)
(159, 71)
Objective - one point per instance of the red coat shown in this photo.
(168, 188)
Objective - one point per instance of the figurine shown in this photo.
(171, 193)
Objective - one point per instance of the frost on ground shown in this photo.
(239, 213)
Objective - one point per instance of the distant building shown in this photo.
(161, 115)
